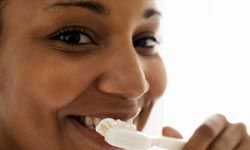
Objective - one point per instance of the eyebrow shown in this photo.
(86, 4)
(150, 13)
(96, 7)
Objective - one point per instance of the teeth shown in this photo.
(97, 121)
(92, 122)
(88, 121)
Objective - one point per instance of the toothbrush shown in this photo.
(124, 135)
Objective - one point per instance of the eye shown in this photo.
(72, 36)
(146, 45)
(145, 42)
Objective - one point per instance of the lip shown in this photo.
(92, 137)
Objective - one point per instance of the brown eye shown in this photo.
(73, 38)
(146, 42)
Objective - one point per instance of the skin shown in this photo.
(44, 78)
(216, 133)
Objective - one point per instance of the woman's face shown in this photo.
(65, 62)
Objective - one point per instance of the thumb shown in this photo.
(171, 132)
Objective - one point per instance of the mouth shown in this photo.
(84, 127)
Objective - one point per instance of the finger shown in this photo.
(245, 144)
(207, 133)
(230, 138)
(171, 132)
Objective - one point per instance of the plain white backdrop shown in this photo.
(206, 50)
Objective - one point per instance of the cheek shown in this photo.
(157, 77)
(53, 82)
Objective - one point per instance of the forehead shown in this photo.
(122, 14)
(123, 11)
(114, 6)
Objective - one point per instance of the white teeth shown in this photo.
(88, 121)
(91, 122)
(97, 121)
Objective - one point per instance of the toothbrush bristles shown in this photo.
(106, 124)
(109, 124)
(104, 128)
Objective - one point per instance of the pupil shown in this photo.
(72, 38)
(140, 42)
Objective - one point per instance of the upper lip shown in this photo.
(108, 107)
(124, 116)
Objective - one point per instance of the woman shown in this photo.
(66, 64)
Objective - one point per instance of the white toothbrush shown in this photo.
(124, 135)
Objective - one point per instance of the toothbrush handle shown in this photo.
(169, 143)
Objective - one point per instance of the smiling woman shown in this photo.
(66, 64)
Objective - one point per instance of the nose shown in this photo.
(124, 75)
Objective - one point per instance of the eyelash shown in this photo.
(57, 36)
(143, 39)
(60, 35)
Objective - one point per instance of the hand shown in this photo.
(216, 133)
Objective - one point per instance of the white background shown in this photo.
(206, 49)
